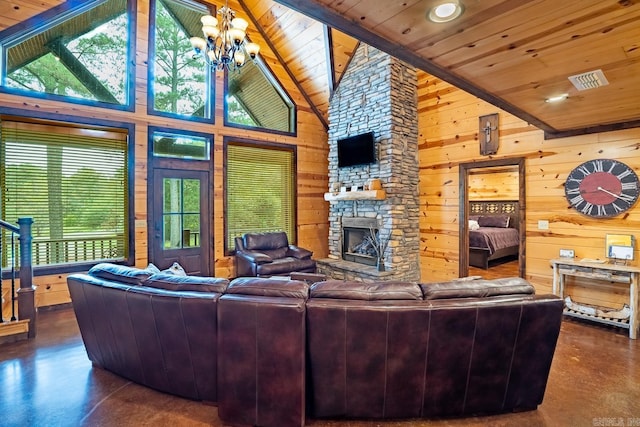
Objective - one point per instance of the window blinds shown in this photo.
(260, 190)
(73, 182)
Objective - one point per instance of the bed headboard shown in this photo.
(497, 207)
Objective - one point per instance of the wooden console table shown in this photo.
(626, 274)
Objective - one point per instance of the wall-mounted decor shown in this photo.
(602, 188)
(488, 134)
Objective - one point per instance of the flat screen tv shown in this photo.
(356, 150)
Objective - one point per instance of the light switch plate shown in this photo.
(567, 253)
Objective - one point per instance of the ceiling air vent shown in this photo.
(589, 80)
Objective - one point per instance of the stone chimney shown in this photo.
(378, 93)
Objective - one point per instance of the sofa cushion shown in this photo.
(275, 253)
(173, 282)
(121, 273)
(268, 287)
(285, 266)
(265, 241)
(338, 289)
(476, 288)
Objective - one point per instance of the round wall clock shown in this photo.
(602, 188)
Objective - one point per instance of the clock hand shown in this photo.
(609, 192)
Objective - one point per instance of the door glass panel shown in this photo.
(181, 213)
(172, 231)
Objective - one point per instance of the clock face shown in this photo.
(602, 188)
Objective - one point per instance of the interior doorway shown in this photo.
(466, 173)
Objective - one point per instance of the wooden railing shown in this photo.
(77, 249)
(26, 293)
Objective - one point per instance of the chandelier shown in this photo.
(224, 46)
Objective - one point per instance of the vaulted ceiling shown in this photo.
(512, 53)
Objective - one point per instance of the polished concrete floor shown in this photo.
(594, 381)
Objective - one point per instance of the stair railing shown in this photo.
(26, 292)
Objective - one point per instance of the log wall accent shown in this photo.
(312, 154)
(448, 136)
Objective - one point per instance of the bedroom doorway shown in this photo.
(469, 174)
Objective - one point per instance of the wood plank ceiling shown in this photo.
(511, 53)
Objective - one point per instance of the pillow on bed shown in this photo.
(500, 221)
(473, 225)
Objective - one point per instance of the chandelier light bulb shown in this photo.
(252, 49)
(199, 44)
(209, 20)
(240, 24)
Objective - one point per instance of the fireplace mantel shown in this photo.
(356, 195)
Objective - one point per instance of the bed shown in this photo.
(493, 231)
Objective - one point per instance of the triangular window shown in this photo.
(82, 53)
(255, 99)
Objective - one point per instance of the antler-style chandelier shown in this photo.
(225, 46)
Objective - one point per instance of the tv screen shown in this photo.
(356, 150)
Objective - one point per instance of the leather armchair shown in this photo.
(269, 254)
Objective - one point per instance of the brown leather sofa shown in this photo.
(159, 330)
(408, 351)
(273, 352)
(270, 254)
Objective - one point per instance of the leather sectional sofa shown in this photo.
(272, 352)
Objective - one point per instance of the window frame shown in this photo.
(129, 258)
(275, 82)
(293, 149)
(210, 96)
(59, 13)
(159, 160)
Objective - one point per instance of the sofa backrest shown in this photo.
(265, 241)
(164, 339)
(339, 289)
(478, 288)
(386, 359)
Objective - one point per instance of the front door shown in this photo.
(179, 221)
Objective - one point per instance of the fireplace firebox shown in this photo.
(356, 245)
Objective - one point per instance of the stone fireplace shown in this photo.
(377, 93)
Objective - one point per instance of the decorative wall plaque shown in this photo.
(488, 134)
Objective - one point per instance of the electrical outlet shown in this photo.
(543, 224)
(567, 253)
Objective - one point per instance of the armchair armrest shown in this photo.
(298, 252)
(255, 257)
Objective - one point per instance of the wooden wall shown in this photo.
(448, 136)
(311, 142)
(493, 184)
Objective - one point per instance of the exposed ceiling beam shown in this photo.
(284, 65)
(329, 17)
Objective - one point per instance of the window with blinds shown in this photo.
(73, 182)
(260, 190)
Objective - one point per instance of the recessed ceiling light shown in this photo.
(557, 98)
(445, 12)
